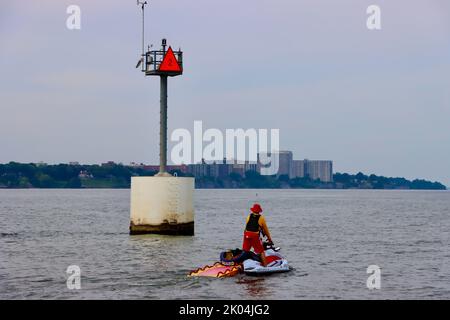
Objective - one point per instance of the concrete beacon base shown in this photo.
(162, 205)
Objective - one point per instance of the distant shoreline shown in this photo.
(15, 175)
(318, 189)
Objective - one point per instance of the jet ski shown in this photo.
(276, 263)
(233, 262)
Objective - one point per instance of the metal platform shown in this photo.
(154, 59)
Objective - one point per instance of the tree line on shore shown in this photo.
(20, 175)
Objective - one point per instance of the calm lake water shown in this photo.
(330, 237)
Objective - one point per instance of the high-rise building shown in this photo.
(215, 170)
(251, 166)
(298, 168)
(285, 163)
(282, 159)
(319, 170)
(314, 169)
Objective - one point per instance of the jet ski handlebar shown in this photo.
(270, 245)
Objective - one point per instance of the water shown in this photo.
(330, 237)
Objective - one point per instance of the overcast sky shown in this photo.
(371, 101)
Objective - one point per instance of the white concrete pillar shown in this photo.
(162, 205)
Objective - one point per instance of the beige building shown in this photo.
(298, 168)
(320, 170)
(314, 169)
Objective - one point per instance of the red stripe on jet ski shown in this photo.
(270, 259)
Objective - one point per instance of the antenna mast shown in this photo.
(142, 4)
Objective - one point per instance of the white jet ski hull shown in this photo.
(278, 265)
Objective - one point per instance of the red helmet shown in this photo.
(256, 208)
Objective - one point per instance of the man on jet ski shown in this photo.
(256, 224)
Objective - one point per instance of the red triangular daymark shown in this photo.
(170, 63)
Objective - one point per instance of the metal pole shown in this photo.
(143, 30)
(143, 3)
(163, 128)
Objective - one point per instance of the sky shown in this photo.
(376, 101)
